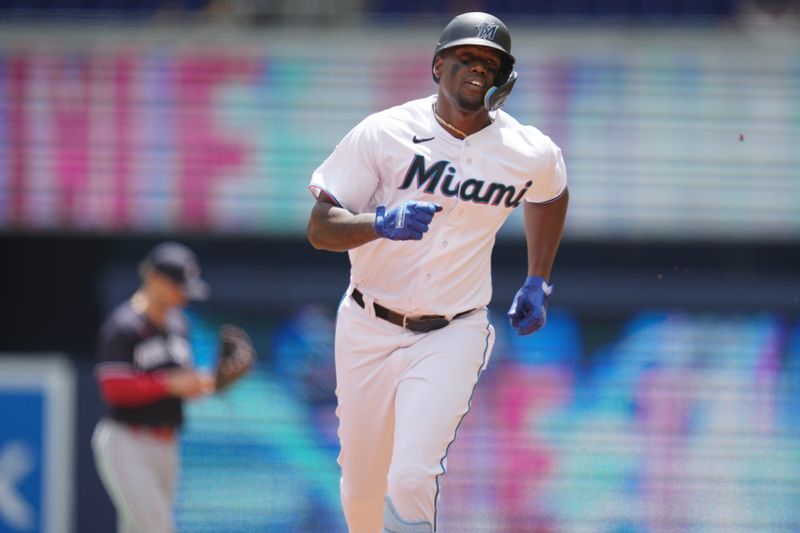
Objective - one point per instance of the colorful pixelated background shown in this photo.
(664, 422)
(668, 134)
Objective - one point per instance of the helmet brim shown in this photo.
(196, 289)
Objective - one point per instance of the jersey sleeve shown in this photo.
(115, 345)
(350, 175)
(552, 186)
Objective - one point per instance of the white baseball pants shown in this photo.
(401, 397)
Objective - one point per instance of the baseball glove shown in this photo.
(236, 356)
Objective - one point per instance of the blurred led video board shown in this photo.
(680, 422)
(667, 134)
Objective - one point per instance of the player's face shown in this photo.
(466, 73)
(168, 293)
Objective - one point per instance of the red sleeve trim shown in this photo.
(318, 191)
(131, 389)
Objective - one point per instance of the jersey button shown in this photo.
(466, 143)
(428, 276)
(469, 161)
(444, 244)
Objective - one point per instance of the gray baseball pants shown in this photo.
(139, 473)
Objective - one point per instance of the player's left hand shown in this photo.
(188, 384)
(528, 312)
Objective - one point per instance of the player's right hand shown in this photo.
(187, 384)
(407, 221)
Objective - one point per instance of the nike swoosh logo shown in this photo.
(417, 140)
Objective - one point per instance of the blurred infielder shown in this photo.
(145, 372)
(416, 194)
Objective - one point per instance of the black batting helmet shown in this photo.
(482, 29)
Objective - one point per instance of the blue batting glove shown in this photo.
(528, 311)
(407, 221)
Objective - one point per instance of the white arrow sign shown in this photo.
(16, 462)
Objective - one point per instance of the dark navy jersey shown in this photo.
(128, 343)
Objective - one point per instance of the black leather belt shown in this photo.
(420, 324)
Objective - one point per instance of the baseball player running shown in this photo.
(145, 373)
(416, 194)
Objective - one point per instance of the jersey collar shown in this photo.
(449, 137)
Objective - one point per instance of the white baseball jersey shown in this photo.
(403, 154)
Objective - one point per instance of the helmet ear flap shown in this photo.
(496, 96)
(505, 72)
